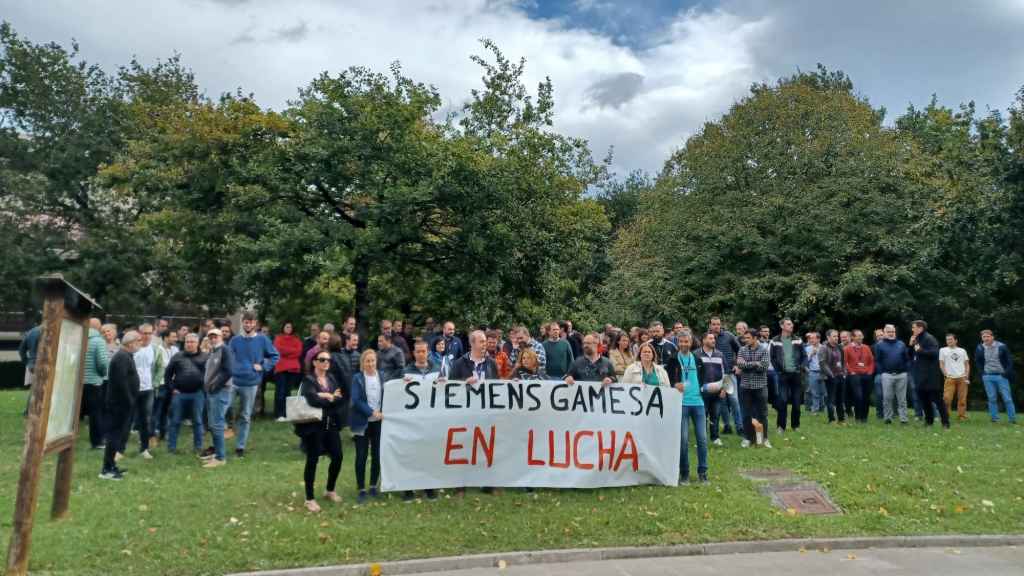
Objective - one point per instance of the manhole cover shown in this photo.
(767, 474)
(805, 501)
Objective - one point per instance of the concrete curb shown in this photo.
(454, 563)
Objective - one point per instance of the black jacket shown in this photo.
(927, 375)
(185, 372)
(123, 381)
(664, 351)
(779, 357)
(334, 411)
(390, 363)
(462, 368)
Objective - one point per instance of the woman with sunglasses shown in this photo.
(321, 390)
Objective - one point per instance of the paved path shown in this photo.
(1001, 561)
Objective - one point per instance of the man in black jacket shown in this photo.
(183, 381)
(787, 356)
(478, 364)
(927, 375)
(122, 388)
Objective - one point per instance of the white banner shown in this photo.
(520, 434)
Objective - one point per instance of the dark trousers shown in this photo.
(368, 442)
(283, 386)
(319, 443)
(852, 394)
(144, 418)
(161, 410)
(754, 404)
(836, 401)
(119, 426)
(92, 401)
(862, 384)
(773, 389)
(791, 393)
(929, 398)
(711, 402)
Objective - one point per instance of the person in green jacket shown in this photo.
(558, 352)
(96, 362)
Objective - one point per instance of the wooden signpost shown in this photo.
(52, 423)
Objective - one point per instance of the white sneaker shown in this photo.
(146, 455)
(717, 442)
(767, 444)
(282, 419)
(745, 443)
(781, 431)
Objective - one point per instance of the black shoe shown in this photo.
(408, 496)
(487, 490)
(704, 478)
(888, 421)
(112, 474)
(239, 452)
(727, 430)
(431, 494)
(373, 492)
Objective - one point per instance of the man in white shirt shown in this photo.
(145, 364)
(956, 367)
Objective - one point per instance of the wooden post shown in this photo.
(35, 438)
(62, 304)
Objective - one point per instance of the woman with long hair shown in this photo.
(367, 400)
(620, 353)
(321, 390)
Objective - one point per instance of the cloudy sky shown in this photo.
(639, 75)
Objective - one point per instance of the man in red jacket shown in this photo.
(860, 370)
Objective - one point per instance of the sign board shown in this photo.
(528, 434)
(52, 422)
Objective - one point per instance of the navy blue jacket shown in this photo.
(891, 356)
(250, 350)
(1004, 358)
(359, 414)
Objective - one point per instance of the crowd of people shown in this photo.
(152, 378)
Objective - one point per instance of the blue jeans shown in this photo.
(194, 403)
(696, 415)
(998, 384)
(216, 410)
(816, 387)
(247, 399)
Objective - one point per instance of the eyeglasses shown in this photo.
(323, 359)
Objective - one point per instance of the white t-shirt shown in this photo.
(144, 358)
(374, 393)
(954, 360)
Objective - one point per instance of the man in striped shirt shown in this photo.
(752, 369)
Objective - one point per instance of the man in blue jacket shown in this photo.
(253, 355)
(27, 352)
(892, 359)
(993, 358)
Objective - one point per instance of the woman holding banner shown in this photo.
(367, 399)
(321, 390)
(645, 370)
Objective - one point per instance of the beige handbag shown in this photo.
(298, 411)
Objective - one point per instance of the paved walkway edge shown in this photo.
(453, 563)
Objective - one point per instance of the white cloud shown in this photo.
(644, 101)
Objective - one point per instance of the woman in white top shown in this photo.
(367, 400)
(645, 370)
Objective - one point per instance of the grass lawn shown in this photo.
(171, 517)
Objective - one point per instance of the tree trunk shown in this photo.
(361, 279)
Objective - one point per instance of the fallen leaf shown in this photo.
(323, 538)
(151, 530)
(375, 570)
(126, 552)
(960, 509)
(988, 503)
(143, 508)
(791, 511)
(959, 469)
(851, 556)
(803, 550)
(707, 515)
(502, 564)
(883, 511)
